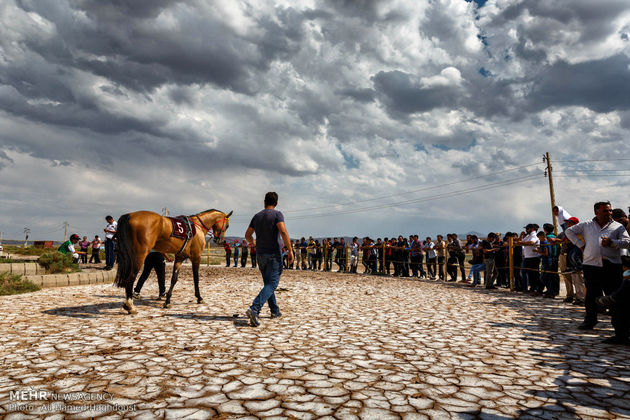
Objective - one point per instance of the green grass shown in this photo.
(18, 250)
(56, 262)
(12, 284)
(9, 261)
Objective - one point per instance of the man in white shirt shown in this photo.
(531, 259)
(603, 272)
(562, 216)
(431, 257)
(110, 231)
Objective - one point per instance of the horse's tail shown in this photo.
(126, 253)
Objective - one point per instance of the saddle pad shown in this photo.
(180, 228)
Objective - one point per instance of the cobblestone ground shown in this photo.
(346, 347)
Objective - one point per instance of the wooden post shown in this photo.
(347, 253)
(511, 261)
(551, 193)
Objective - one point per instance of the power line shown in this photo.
(422, 199)
(459, 181)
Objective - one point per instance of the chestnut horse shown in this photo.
(141, 231)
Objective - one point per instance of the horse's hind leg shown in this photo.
(176, 266)
(128, 304)
(195, 270)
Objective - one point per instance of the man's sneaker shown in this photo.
(278, 315)
(578, 302)
(253, 318)
(161, 296)
(586, 326)
(568, 299)
(605, 301)
(136, 295)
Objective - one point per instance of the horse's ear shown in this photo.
(229, 214)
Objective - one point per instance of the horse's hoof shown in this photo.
(130, 309)
(167, 305)
(200, 301)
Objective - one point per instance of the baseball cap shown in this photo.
(74, 236)
(574, 220)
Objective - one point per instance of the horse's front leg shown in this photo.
(176, 265)
(195, 270)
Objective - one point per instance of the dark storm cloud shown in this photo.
(600, 85)
(402, 96)
(121, 43)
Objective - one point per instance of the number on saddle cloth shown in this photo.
(182, 228)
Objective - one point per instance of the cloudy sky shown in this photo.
(367, 117)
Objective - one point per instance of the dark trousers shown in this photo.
(431, 266)
(153, 261)
(244, 259)
(451, 267)
(415, 259)
(253, 254)
(461, 257)
(598, 280)
(440, 262)
(228, 258)
(622, 314)
(531, 267)
(388, 261)
(109, 252)
(551, 280)
(95, 257)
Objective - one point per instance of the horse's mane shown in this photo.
(209, 210)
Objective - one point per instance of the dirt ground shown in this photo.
(347, 346)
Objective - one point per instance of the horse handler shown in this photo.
(268, 224)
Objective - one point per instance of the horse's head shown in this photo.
(220, 226)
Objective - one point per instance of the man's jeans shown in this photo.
(109, 252)
(475, 271)
(270, 266)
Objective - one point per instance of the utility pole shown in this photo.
(66, 225)
(165, 211)
(551, 192)
(26, 232)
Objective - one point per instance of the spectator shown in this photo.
(228, 253)
(544, 251)
(552, 278)
(620, 301)
(110, 231)
(476, 263)
(531, 260)
(570, 264)
(236, 252)
(318, 255)
(303, 253)
(489, 254)
(244, 253)
(451, 262)
(252, 252)
(96, 249)
(379, 254)
(415, 257)
(312, 251)
(354, 254)
(83, 246)
(440, 248)
(603, 238)
(68, 248)
(430, 257)
(459, 254)
(562, 216)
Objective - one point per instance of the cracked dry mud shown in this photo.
(346, 347)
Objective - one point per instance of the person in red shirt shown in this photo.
(228, 253)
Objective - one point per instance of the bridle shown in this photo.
(207, 229)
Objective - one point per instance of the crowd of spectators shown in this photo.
(587, 257)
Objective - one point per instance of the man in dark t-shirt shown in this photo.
(271, 235)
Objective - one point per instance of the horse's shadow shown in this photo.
(90, 311)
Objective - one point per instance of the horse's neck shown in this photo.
(210, 218)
